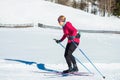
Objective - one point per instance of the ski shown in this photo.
(68, 74)
(81, 73)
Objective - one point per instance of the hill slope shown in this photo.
(39, 11)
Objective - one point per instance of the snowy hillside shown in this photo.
(39, 11)
(32, 54)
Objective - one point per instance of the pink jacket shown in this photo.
(69, 30)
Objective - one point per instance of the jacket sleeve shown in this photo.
(63, 37)
(65, 31)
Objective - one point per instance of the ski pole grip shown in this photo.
(55, 39)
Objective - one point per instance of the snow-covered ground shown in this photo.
(34, 11)
(24, 52)
(20, 70)
(28, 53)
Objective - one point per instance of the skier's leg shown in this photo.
(71, 50)
(66, 55)
(68, 59)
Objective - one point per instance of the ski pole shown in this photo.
(78, 61)
(89, 60)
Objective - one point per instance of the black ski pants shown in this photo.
(70, 48)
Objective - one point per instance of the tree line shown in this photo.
(97, 7)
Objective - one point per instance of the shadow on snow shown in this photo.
(40, 66)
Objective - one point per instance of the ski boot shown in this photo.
(75, 68)
(68, 70)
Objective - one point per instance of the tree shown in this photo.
(103, 7)
(116, 10)
(74, 4)
(83, 5)
(64, 2)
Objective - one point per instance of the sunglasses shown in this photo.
(60, 21)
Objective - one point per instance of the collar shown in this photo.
(63, 25)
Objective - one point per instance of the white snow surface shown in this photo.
(40, 11)
(29, 53)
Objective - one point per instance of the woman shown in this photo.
(73, 36)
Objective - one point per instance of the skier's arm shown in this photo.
(63, 37)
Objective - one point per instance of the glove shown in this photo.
(57, 41)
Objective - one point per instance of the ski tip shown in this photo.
(103, 77)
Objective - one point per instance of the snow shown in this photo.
(19, 69)
(27, 53)
(39, 11)
(24, 51)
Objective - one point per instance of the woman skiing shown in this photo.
(73, 36)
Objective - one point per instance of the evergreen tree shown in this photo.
(116, 10)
